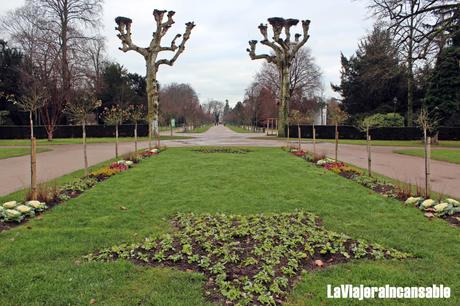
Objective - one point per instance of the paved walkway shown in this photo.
(64, 159)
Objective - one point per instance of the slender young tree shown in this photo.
(284, 52)
(427, 124)
(114, 116)
(136, 114)
(297, 118)
(150, 55)
(78, 111)
(365, 125)
(33, 98)
(310, 118)
(338, 116)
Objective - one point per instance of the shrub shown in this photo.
(386, 120)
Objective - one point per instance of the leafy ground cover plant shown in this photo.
(248, 260)
(447, 208)
(229, 150)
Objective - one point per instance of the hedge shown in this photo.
(385, 133)
(73, 131)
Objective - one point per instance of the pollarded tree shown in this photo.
(114, 115)
(78, 111)
(136, 113)
(150, 55)
(285, 51)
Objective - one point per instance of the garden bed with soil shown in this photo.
(248, 260)
(447, 209)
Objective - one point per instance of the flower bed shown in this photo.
(248, 260)
(447, 209)
(14, 213)
(229, 150)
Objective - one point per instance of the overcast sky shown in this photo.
(215, 61)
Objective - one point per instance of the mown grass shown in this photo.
(15, 152)
(41, 263)
(239, 129)
(60, 141)
(451, 156)
(385, 143)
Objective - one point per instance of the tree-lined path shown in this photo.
(64, 159)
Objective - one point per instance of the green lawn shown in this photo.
(239, 129)
(14, 152)
(391, 143)
(452, 156)
(41, 263)
(59, 141)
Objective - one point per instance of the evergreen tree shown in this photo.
(373, 77)
(443, 96)
(10, 67)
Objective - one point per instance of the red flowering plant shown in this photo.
(299, 153)
(119, 166)
(333, 165)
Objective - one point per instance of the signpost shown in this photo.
(173, 125)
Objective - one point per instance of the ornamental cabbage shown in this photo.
(413, 200)
(441, 207)
(428, 203)
(13, 215)
(10, 204)
(36, 205)
(321, 162)
(25, 210)
(453, 202)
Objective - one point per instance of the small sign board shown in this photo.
(173, 123)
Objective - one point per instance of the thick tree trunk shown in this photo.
(151, 93)
(135, 137)
(85, 154)
(116, 140)
(49, 133)
(283, 112)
